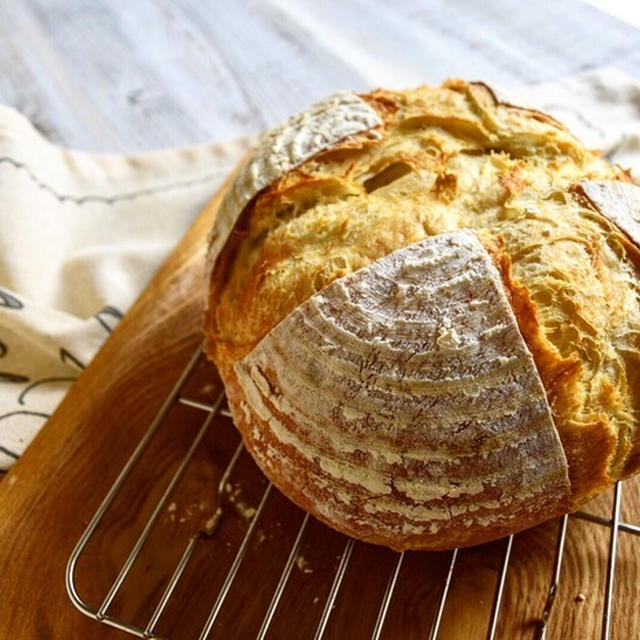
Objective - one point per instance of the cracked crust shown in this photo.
(447, 158)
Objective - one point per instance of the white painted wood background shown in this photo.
(125, 75)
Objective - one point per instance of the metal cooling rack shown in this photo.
(101, 612)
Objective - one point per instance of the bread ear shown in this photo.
(401, 405)
(302, 136)
(619, 201)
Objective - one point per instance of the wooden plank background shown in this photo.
(123, 76)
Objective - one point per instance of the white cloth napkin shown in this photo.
(80, 235)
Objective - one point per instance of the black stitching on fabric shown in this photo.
(24, 412)
(67, 357)
(8, 301)
(105, 326)
(8, 452)
(132, 195)
(110, 311)
(5, 376)
(33, 385)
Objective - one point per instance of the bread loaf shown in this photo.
(425, 308)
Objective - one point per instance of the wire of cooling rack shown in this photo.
(100, 613)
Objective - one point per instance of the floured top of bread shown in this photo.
(443, 159)
(404, 395)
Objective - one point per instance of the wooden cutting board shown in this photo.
(54, 489)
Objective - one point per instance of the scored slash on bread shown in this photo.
(618, 201)
(429, 330)
(402, 405)
(302, 136)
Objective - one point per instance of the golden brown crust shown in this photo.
(447, 158)
(590, 448)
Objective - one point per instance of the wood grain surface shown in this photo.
(110, 76)
(53, 490)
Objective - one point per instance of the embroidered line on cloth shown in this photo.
(132, 195)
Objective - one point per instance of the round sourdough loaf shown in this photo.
(425, 308)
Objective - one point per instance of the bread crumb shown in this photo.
(580, 597)
(172, 507)
(207, 389)
(303, 565)
(233, 492)
(11, 480)
(246, 512)
(316, 600)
